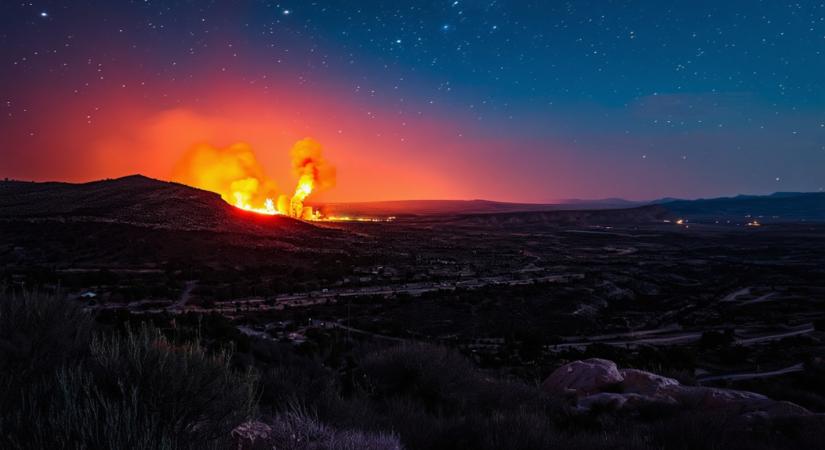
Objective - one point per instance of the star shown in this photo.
(44, 14)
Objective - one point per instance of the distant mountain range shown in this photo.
(440, 207)
(144, 201)
(777, 207)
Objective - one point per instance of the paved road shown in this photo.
(316, 297)
(671, 339)
(735, 295)
(802, 329)
(681, 338)
(184, 296)
(371, 334)
(751, 375)
(765, 298)
(422, 288)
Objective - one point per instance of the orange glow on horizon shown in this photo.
(380, 155)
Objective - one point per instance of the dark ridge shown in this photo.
(136, 200)
(777, 207)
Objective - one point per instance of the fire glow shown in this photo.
(235, 173)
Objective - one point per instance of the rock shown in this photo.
(735, 402)
(646, 383)
(609, 400)
(785, 409)
(708, 398)
(247, 434)
(615, 401)
(598, 383)
(583, 377)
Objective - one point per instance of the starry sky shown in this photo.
(505, 100)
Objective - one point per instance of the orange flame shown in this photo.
(239, 178)
(233, 172)
(313, 172)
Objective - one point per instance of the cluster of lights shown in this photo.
(683, 222)
(358, 219)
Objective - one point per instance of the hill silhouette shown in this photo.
(137, 200)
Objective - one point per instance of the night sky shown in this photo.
(504, 100)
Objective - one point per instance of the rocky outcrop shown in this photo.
(645, 383)
(583, 377)
(599, 384)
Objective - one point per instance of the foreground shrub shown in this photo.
(38, 334)
(63, 390)
(298, 430)
(73, 413)
(191, 394)
(435, 376)
(443, 380)
(435, 398)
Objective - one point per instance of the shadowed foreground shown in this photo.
(70, 381)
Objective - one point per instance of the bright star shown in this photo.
(44, 14)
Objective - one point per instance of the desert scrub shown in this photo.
(134, 389)
(192, 394)
(39, 333)
(300, 430)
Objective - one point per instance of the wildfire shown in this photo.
(239, 178)
(313, 173)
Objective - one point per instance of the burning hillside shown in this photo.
(235, 173)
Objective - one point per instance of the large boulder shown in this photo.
(645, 383)
(583, 377)
(599, 384)
(616, 401)
(738, 402)
(709, 398)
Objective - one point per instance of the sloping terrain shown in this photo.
(136, 200)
